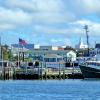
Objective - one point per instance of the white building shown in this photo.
(39, 54)
(81, 45)
(71, 55)
(54, 61)
(38, 47)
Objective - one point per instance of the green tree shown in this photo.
(6, 52)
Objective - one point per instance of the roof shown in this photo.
(52, 56)
(27, 46)
(97, 45)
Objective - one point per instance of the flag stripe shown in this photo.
(22, 42)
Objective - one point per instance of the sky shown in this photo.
(49, 22)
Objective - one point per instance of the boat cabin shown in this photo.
(94, 63)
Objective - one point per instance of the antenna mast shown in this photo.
(87, 36)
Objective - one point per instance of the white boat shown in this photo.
(91, 68)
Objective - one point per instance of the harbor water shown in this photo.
(50, 90)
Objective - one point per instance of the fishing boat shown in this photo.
(91, 68)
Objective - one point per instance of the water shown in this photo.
(50, 90)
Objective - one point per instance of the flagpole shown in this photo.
(18, 54)
(0, 49)
(1, 52)
(22, 42)
(1, 56)
(23, 53)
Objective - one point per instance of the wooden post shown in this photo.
(64, 71)
(13, 72)
(23, 56)
(3, 67)
(8, 74)
(38, 72)
(73, 69)
(41, 71)
(18, 56)
(26, 67)
(45, 71)
(59, 71)
(4, 73)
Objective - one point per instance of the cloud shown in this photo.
(53, 18)
(10, 19)
(61, 41)
(90, 6)
(31, 12)
(44, 16)
(45, 11)
(49, 30)
(36, 5)
(5, 26)
(94, 27)
(73, 30)
(83, 22)
(85, 6)
(21, 4)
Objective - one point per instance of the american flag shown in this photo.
(22, 42)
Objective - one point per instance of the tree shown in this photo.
(69, 48)
(6, 52)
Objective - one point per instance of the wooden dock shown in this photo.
(13, 73)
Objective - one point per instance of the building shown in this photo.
(97, 45)
(95, 51)
(38, 54)
(65, 54)
(26, 46)
(81, 45)
(16, 48)
(45, 47)
(48, 47)
(71, 56)
(51, 56)
(54, 61)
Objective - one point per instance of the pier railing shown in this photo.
(11, 72)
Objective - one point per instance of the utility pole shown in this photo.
(87, 36)
(0, 49)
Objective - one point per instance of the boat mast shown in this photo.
(87, 37)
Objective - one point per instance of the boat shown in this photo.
(91, 68)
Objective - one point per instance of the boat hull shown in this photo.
(89, 72)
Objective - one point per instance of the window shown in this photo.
(59, 59)
(30, 64)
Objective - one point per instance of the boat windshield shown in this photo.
(94, 63)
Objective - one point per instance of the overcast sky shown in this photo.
(49, 22)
